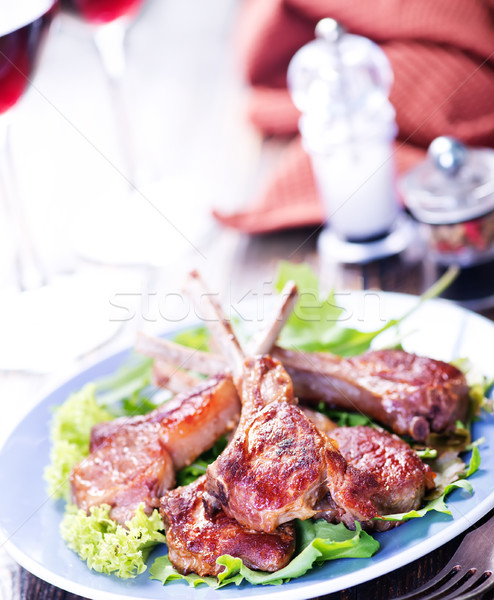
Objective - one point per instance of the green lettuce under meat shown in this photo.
(318, 542)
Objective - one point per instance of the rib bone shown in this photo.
(263, 341)
(215, 320)
(180, 356)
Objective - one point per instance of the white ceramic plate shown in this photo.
(29, 518)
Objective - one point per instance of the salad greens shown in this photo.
(314, 325)
(437, 501)
(318, 542)
(70, 431)
(108, 547)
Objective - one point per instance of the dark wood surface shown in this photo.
(257, 257)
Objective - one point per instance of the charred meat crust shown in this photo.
(279, 465)
(195, 539)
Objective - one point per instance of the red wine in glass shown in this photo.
(22, 30)
(99, 12)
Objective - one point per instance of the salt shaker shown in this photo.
(451, 194)
(341, 82)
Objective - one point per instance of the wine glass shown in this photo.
(109, 21)
(143, 222)
(43, 323)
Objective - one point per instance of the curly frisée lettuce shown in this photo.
(70, 433)
(108, 547)
(318, 542)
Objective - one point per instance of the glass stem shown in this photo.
(110, 42)
(29, 270)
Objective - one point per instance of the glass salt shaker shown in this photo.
(341, 82)
(451, 195)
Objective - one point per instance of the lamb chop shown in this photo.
(195, 540)
(133, 460)
(403, 477)
(410, 394)
(278, 466)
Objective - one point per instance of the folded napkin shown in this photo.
(442, 55)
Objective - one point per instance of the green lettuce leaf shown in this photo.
(196, 337)
(427, 453)
(314, 324)
(108, 547)
(70, 432)
(439, 503)
(121, 392)
(475, 461)
(318, 542)
(343, 418)
(163, 570)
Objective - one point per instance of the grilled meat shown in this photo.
(195, 539)
(134, 460)
(189, 423)
(412, 395)
(402, 476)
(278, 466)
(131, 467)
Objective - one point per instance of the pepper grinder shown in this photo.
(340, 82)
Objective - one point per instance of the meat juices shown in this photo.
(195, 539)
(133, 460)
